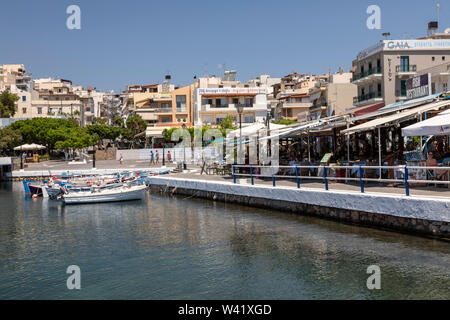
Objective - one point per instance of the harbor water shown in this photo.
(185, 248)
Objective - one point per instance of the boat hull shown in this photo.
(80, 198)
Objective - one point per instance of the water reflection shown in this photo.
(183, 248)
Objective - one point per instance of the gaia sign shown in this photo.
(419, 86)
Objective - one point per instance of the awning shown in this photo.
(369, 109)
(213, 95)
(156, 132)
(253, 129)
(29, 147)
(436, 126)
(397, 117)
(148, 116)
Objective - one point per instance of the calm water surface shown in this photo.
(183, 248)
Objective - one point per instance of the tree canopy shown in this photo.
(7, 104)
(54, 133)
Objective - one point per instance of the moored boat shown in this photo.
(97, 195)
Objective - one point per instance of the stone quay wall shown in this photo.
(421, 216)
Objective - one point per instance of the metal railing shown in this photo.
(406, 68)
(361, 75)
(323, 173)
(368, 96)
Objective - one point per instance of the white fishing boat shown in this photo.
(97, 195)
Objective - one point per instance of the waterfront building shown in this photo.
(305, 97)
(53, 97)
(13, 77)
(381, 71)
(217, 97)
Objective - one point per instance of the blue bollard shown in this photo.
(361, 174)
(406, 181)
(251, 173)
(297, 170)
(325, 175)
(273, 178)
(234, 174)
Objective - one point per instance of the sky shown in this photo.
(140, 41)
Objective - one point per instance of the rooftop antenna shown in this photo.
(438, 7)
(206, 69)
(386, 34)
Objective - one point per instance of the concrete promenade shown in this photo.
(438, 191)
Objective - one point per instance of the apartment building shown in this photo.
(53, 98)
(218, 97)
(13, 77)
(381, 71)
(299, 95)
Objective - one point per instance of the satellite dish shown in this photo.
(447, 30)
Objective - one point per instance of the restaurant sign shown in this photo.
(231, 91)
(419, 86)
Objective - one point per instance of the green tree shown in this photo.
(100, 121)
(227, 123)
(285, 122)
(118, 121)
(9, 139)
(136, 124)
(7, 104)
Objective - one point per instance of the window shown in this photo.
(165, 105)
(221, 102)
(443, 58)
(249, 102)
(404, 64)
(39, 110)
(432, 59)
(248, 118)
(402, 88)
(235, 101)
(24, 98)
(24, 110)
(181, 103)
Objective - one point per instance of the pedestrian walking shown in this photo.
(157, 157)
(152, 158)
(169, 157)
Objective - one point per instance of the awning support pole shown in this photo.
(309, 152)
(379, 149)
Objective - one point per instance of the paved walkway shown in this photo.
(99, 164)
(372, 187)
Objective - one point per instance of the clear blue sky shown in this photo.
(126, 42)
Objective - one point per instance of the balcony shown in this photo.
(224, 107)
(368, 75)
(296, 105)
(370, 97)
(406, 70)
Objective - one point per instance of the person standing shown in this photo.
(157, 157)
(121, 159)
(169, 157)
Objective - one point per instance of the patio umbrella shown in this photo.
(29, 147)
(436, 126)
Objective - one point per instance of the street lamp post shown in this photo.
(240, 109)
(184, 147)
